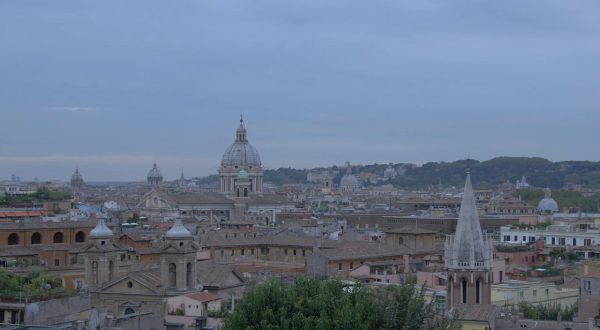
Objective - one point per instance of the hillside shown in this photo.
(539, 172)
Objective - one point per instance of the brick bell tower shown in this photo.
(468, 256)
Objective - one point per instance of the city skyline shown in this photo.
(397, 82)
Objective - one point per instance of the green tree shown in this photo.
(312, 304)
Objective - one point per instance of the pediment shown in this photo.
(128, 284)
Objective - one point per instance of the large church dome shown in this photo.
(548, 204)
(241, 153)
(77, 179)
(154, 175)
(349, 181)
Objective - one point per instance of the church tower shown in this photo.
(468, 256)
(178, 259)
(101, 256)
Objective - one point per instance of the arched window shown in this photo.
(172, 275)
(478, 291)
(111, 270)
(188, 275)
(58, 238)
(36, 238)
(13, 239)
(80, 237)
(95, 272)
(400, 240)
(463, 291)
(245, 192)
(129, 310)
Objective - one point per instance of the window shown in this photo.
(294, 251)
(13, 239)
(36, 238)
(478, 291)
(232, 252)
(516, 238)
(80, 237)
(524, 238)
(574, 242)
(547, 292)
(463, 291)
(535, 293)
(58, 238)
(252, 251)
(351, 266)
(303, 252)
(507, 238)
(587, 287)
(285, 251)
(521, 294)
(56, 262)
(242, 252)
(340, 266)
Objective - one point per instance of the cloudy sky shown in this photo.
(111, 86)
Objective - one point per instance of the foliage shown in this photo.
(34, 285)
(547, 311)
(313, 304)
(285, 176)
(563, 254)
(512, 248)
(42, 194)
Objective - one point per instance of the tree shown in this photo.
(312, 304)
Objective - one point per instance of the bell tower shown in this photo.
(101, 256)
(178, 259)
(468, 256)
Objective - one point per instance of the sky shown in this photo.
(113, 86)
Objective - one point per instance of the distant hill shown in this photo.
(539, 172)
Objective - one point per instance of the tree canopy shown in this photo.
(313, 304)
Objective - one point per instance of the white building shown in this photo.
(555, 235)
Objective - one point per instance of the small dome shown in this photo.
(241, 153)
(77, 179)
(101, 230)
(178, 230)
(154, 176)
(349, 181)
(548, 204)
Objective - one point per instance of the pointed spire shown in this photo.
(467, 246)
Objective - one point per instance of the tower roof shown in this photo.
(468, 238)
(101, 230)
(178, 230)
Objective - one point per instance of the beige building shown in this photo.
(512, 292)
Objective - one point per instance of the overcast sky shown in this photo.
(111, 86)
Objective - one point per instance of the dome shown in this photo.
(101, 230)
(76, 179)
(178, 230)
(349, 180)
(241, 153)
(155, 176)
(548, 204)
